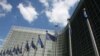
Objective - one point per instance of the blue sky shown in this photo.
(34, 13)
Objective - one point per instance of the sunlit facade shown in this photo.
(19, 35)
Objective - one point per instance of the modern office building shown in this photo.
(81, 42)
(19, 35)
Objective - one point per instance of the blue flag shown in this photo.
(50, 37)
(27, 46)
(20, 50)
(4, 53)
(7, 51)
(14, 49)
(40, 42)
(32, 44)
(10, 52)
(0, 53)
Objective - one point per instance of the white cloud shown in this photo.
(57, 11)
(29, 13)
(1, 40)
(5, 6)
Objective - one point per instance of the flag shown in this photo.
(10, 52)
(56, 25)
(27, 46)
(1, 52)
(14, 49)
(32, 44)
(7, 51)
(40, 42)
(50, 37)
(16, 52)
(20, 50)
(4, 53)
(17, 49)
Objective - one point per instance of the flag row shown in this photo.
(19, 49)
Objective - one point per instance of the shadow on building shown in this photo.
(81, 40)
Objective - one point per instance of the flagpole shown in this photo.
(35, 52)
(70, 42)
(91, 34)
(23, 52)
(28, 52)
(43, 54)
(21, 49)
(56, 34)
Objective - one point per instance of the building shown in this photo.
(19, 35)
(80, 36)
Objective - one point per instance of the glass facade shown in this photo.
(19, 35)
(80, 36)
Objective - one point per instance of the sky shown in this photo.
(43, 14)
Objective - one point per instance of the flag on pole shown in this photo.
(32, 44)
(27, 47)
(0, 53)
(20, 50)
(14, 49)
(4, 52)
(50, 37)
(7, 51)
(10, 52)
(17, 48)
(40, 42)
(56, 25)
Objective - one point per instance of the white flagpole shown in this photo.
(91, 33)
(55, 43)
(70, 42)
(22, 49)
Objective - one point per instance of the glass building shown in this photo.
(80, 36)
(18, 36)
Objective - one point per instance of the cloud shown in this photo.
(28, 12)
(5, 6)
(57, 11)
(1, 42)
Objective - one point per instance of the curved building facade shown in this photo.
(18, 36)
